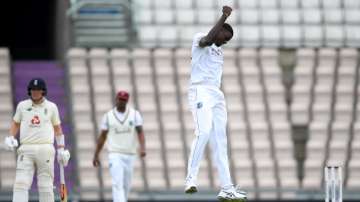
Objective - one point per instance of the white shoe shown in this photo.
(241, 193)
(190, 188)
(232, 195)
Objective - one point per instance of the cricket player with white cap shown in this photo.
(122, 128)
(39, 122)
(207, 104)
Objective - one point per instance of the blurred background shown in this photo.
(291, 82)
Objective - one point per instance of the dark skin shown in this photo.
(218, 35)
(121, 107)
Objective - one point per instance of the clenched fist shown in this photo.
(226, 10)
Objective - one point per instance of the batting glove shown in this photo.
(11, 143)
(63, 156)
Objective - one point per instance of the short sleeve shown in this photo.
(55, 117)
(104, 123)
(138, 119)
(17, 117)
(197, 38)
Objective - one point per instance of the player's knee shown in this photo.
(22, 182)
(19, 186)
(203, 131)
(45, 184)
(118, 185)
(47, 189)
(204, 128)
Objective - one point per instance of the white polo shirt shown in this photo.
(122, 135)
(206, 63)
(37, 121)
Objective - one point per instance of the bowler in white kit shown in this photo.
(207, 104)
(122, 128)
(39, 122)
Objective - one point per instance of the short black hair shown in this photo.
(228, 28)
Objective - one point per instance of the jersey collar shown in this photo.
(115, 111)
(38, 105)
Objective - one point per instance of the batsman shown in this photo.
(39, 123)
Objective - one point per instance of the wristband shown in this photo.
(60, 140)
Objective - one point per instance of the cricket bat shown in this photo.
(63, 190)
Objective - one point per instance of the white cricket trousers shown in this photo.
(31, 157)
(207, 104)
(121, 170)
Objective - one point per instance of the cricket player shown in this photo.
(122, 128)
(207, 104)
(38, 120)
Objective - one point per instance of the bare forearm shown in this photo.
(14, 128)
(100, 144)
(99, 147)
(210, 38)
(58, 130)
(141, 138)
(59, 137)
(216, 29)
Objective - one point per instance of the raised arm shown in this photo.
(210, 37)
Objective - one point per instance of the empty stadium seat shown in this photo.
(289, 3)
(354, 165)
(351, 4)
(290, 16)
(185, 16)
(259, 128)
(352, 35)
(312, 16)
(315, 154)
(249, 16)
(122, 72)
(310, 3)
(186, 4)
(7, 158)
(340, 136)
(80, 91)
(334, 36)
(313, 36)
(331, 4)
(310, 23)
(352, 16)
(304, 78)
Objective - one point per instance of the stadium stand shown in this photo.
(100, 23)
(320, 39)
(266, 100)
(275, 23)
(7, 171)
(259, 122)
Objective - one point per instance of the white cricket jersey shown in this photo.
(122, 135)
(206, 63)
(37, 121)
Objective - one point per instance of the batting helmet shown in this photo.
(37, 84)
